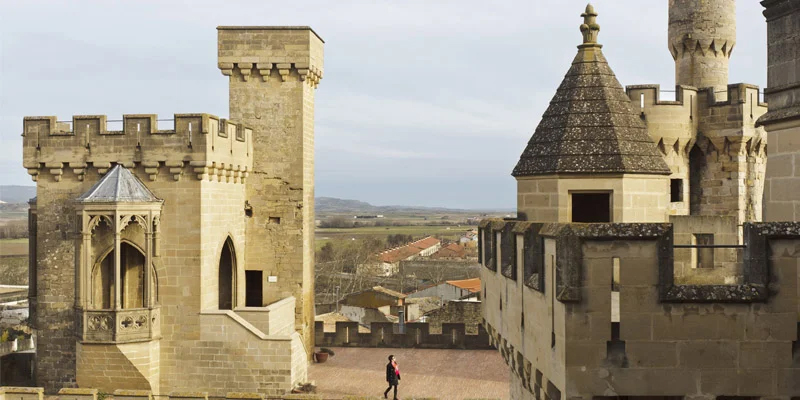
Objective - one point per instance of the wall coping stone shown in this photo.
(79, 391)
(243, 395)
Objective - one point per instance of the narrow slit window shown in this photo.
(703, 256)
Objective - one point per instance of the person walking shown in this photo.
(392, 376)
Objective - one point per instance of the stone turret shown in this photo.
(702, 34)
(591, 158)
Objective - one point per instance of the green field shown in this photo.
(324, 235)
(9, 247)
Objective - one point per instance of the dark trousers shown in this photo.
(390, 388)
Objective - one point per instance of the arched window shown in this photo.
(131, 279)
(227, 276)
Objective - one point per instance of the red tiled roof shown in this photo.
(473, 285)
(452, 250)
(428, 242)
(398, 254)
(409, 250)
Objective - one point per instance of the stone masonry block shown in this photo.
(244, 396)
(651, 354)
(698, 354)
(21, 393)
(765, 354)
(636, 326)
(123, 394)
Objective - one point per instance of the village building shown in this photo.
(387, 263)
(451, 290)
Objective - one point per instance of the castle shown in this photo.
(639, 264)
(182, 259)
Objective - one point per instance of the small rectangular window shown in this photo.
(676, 190)
(591, 207)
(254, 284)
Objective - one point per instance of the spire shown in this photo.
(590, 126)
(589, 27)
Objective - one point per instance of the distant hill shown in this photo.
(332, 204)
(21, 194)
(16, 194)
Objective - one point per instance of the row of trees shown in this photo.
(14, 229)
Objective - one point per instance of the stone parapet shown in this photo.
(21, 393)
(202, 146)
(387, 334)
(126, 394)
(569, 239)
(612, 322)
(77, 394)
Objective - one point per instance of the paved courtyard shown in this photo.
(443, 374)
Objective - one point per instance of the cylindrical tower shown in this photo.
(702, 34)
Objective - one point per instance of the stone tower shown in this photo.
(272, 89)
(590, 158)
(707, 135)
(161, 257)
(782, 121)
(702, 34)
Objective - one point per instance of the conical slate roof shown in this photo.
(590, 126)
(118, 185)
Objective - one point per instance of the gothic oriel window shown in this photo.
(116, 294)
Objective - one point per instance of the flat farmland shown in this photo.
(13, 247)
(324, 235)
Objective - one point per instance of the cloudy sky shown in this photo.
(423, 102)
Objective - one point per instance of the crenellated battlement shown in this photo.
(674, 124)
(241, 55)
(200, 144)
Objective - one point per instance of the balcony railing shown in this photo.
(120, 326)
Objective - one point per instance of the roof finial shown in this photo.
(589, 28)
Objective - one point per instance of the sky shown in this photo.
(423, 102)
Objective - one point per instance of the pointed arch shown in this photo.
(132, 264)
(226, 277)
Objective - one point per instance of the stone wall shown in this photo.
(387, 334)
(782, 196)
(439, 270)
(466, 312)
(635, 198)
(668, 340)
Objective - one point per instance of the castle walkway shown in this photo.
(441, 374)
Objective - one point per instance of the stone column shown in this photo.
(84, 269)
(148, 262)
(117, 262)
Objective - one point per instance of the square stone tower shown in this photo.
(273, 73)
